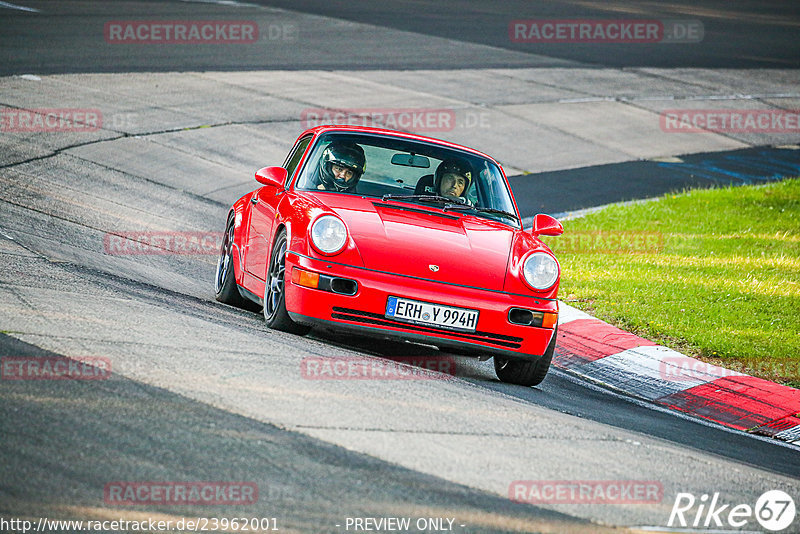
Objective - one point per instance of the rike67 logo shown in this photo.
(774, 510)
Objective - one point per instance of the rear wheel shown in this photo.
(275, 313)
(225, 289)
(526, 372)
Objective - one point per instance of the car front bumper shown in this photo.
(364, 312)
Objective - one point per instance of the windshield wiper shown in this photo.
(482, 210)
(450, 203)
(427, 198)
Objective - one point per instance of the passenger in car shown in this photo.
(452, 179)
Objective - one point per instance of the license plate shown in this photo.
(415, 311)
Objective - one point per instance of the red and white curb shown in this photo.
(606, 354)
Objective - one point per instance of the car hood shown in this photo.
(412, 240)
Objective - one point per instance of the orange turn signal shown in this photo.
(305, 278)
(549, 320)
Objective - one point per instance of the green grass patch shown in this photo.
(712, 273)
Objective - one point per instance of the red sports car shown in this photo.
(396, 235)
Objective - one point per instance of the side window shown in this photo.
(296, 155)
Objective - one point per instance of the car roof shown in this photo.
(325, 128)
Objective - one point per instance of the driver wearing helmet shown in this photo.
(340, 167)
(452, 179)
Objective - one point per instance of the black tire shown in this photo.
(225, 289)
(526, 372)
(275, 291)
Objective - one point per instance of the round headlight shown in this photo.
(329, 234)
(540, 270)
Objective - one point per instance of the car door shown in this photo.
(264, 203)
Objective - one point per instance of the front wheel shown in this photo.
(526, 372)
(275, 291)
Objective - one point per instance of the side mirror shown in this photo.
(275, 176)
(546, 225)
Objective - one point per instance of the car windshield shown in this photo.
(403, 170)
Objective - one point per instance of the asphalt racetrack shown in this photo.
(203, 392)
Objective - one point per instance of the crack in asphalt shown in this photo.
(194, 196)
(110, 200)
(57, 151)
(77, 223)
(454, 433)
(185, 304)
(124, 135)
(761, 98)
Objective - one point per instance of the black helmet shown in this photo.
(344, 154)
(453, 166)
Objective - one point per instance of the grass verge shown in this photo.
(712, 273)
